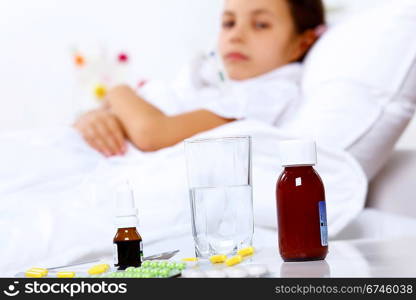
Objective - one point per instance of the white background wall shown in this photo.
(36, 70)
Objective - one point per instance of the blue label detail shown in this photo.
(323, 224)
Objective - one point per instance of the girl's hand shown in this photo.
(103, 131)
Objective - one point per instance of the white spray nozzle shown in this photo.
(126, 212)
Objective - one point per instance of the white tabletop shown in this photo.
(365, 258)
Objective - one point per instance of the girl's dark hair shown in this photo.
(307, 14)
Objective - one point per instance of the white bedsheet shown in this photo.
(56, 193)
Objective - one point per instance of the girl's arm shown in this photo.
(149, 129)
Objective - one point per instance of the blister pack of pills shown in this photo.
(148, 269)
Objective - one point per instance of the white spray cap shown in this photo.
(298, 153)
(126, 212)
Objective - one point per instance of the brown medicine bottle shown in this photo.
(128, 247)
(301, 207)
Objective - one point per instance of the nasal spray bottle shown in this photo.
(128, 247)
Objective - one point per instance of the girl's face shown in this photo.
(257, 37)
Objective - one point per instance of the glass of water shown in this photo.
(221, 197)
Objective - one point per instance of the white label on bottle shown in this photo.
(115, 254)
(298, 181)
(323, 223)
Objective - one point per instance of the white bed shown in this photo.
(57, 202)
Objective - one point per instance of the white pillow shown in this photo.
(360, 83)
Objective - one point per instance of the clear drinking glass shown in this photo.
(221, 197)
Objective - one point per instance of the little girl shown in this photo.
(261, 45)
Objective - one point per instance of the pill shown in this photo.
(190, 259)
(43, 271)
(130, 269)
(171, 266)
(218, 259)
(181, 266)
(153, 264)
(33, 274)
(98, 269)
(193, 274)
(246, 251)
(164, 273)
(236, 272)
(256, 270)
(215, 274)
(65, 274)
(146, 263)
(100, 91)
(234, 260)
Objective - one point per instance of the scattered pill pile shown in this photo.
(227, 267)
(234, 272)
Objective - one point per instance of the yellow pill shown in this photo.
(234, 260)
(100, 91)
(42, 271)
(33, 274)
(190, 259)
(65, 274)
(98, 269)
(246, 251)
(218, 259)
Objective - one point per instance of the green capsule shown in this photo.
(170, 265)
(179, 266)
(146, 263)
(130, 269)
(164, 273)
(145, 271)
(153, 264)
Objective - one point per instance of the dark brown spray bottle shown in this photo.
(128, 247)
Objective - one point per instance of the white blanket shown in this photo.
(57, 205)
